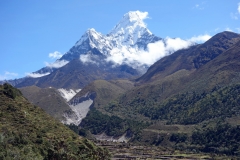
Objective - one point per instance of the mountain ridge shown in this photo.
(194, 60)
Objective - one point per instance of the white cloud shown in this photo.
(239, 8)
(86, 58)
(131, 55)
(8, 75)
(11, 74)
(175, 44)
(216, 29)
(36, 75)
(154, 52)
(238, 30)
(136, 15)
(228, 29)
(142, 15)
(200, 38)
(56, 64)
(234, 16)
(199, 6)
(55, 55)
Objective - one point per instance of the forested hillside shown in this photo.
(27, 132)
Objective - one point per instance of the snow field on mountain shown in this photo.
(121, 46)
(68, 94)
(80, 110)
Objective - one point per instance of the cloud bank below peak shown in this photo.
(36, 75)
(155, 51)
(56, 64)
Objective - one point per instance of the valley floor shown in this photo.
(128, 151)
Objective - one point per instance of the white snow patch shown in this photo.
(68, 94)
(80, 106)
(78, 90)
(80, 111)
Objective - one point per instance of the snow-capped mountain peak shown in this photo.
(132, 17)
(130, 33)
(136, 15)
(130, 28)
(89, 34)
(91, 39)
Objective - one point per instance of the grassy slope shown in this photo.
(27, 132)
(221, 71)
(106, 91)
(48, 99)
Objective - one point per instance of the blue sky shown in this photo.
(31, 29)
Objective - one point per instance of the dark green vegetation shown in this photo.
(222, 138)
(27, 132)
(96, 123)
(216, 137)
(191, 108)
